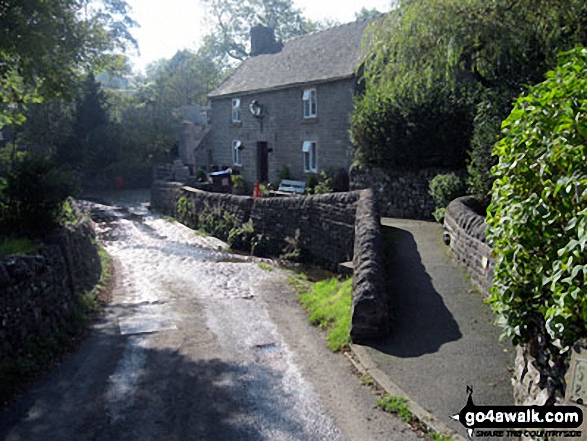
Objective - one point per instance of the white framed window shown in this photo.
(236, 110)
(310, 156)
(310, 103)
(237, 149)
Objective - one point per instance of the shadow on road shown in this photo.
(421, 322)
(170, 396)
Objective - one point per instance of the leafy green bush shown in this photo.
(325, 184)
(34, 195)
(240, 237)
(238, 181)
(216, 222)
(311, 183)
(18, 245)
(389, 130)
(491, 111)
(538, 215)
(444, 189)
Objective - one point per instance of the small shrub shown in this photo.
(311, 183)
(34, 194)
(444, 189)
(186, 213)
(238, 181)
(292, 250)
(259, 245)
(240, 237)
(325, 184)
(216, 222)
(538, 216)
(284, 173)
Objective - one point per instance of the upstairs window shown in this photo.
(310, 103)
(236, 110)
(310, 157)
(237, 148)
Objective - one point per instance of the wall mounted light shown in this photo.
(256, 109)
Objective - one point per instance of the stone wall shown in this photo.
(329, 231)
(464, 229)
(370, 314)
(535, 380)
(400, 193)
(39, 293)
(325, 225)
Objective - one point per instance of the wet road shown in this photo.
(196, 344)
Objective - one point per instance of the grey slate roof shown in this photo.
(330, 54)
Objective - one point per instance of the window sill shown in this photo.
(237, 124)
(312, 120)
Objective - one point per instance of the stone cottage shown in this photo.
(288, 104)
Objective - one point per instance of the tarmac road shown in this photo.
(197, 344)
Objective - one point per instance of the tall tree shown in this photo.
(365, 13)
(44, 45)
(233, 21)
(478, 52)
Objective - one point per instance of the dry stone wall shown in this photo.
(464, 229)
(330, 229)
(370, 314)
(400, 193)
(39, 293)
(535, 380)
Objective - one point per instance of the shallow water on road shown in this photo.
(176, 285)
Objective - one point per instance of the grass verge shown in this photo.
(328, 304)
(40, 354)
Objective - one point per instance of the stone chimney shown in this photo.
(263, 41)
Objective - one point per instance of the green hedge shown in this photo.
(538, 215)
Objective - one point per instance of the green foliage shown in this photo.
(432, 66)
(329, 304)
(365, 14)
(538, 215)
(218, 223)
(186, 213)
(233, 20)
(311, 183)
(493, 108)
(239, 237)
(396, 405)
(44, 45)
(292, 250)
(259, 245)
(265, 267)
(392, 130)
(238, 181)
(36, 189)
(325, 184)
(18, 245)
(444, 189)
